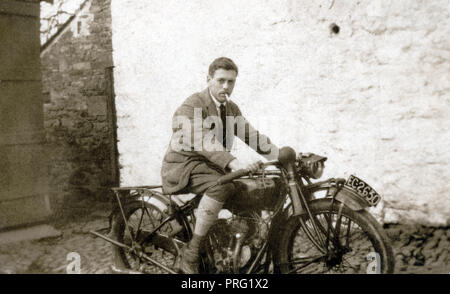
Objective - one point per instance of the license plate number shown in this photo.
(363, 190)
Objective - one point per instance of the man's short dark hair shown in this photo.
(224, 63)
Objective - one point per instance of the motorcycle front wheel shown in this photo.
(341, 241)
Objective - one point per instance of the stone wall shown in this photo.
(363, 82)
(76, 113)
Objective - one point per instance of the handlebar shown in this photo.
(286, 160)
(240, 173)
(232, 176)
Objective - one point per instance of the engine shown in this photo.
(237, 240)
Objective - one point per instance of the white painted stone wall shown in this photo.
(374, 98)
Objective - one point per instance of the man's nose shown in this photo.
(226, 85)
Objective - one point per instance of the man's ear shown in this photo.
(208, 78)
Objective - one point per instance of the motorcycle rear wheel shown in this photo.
(140, 219)
(363, 245)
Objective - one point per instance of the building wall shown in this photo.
(374, 97)
(76, 113)
(23, 186)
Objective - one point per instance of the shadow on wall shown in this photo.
(79, 155)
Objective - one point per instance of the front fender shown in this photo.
(349, 197)
(344, 194)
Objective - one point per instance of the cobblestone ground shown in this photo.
(50, 255)
(417, 249)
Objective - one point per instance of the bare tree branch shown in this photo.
(51, 23)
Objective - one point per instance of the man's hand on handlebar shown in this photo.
(235, 165)
(239, 170)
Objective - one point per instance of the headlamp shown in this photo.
(311, 165)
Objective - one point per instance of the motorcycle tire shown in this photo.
(122, 258)
(298, 254)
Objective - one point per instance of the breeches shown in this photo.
(203, 179)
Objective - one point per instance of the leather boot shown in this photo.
(189, 262)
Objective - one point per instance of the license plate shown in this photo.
(363, 190)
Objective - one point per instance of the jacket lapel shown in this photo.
(209, 103)
(229, 110)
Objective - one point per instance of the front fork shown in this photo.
(301, 195)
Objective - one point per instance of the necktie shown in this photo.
(223, 115)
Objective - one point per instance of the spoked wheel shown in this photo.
(343, 241)
(141, 221)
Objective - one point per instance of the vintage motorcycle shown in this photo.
(277, 223)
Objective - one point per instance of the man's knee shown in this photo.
(221, 192)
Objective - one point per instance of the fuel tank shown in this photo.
(255, 194)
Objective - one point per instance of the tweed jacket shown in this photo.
(178, 164)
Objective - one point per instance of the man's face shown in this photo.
(221, 83)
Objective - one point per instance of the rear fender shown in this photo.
(160, 201)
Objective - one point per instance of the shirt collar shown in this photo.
(217, 103)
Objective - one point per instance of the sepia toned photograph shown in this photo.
(224, 137)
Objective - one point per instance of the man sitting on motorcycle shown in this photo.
(195, 159)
